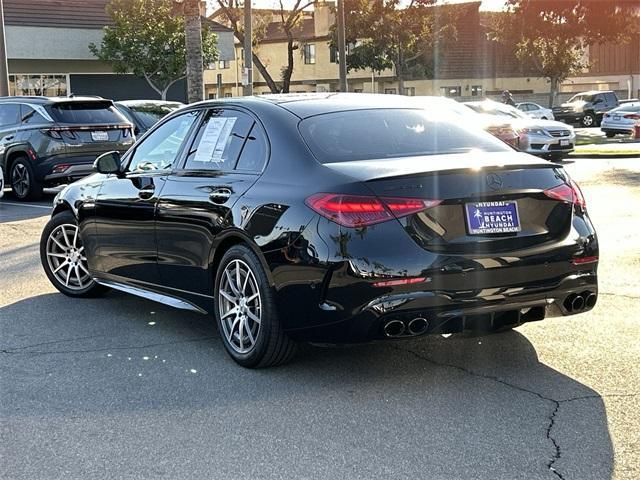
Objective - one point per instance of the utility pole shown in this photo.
(342, 54)
(4, 70)
(247, 74)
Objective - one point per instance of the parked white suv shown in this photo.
(534, 110)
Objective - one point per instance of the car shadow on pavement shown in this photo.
(481, 405)
(616, 176)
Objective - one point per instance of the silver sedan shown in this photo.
(621, 120)
(545, 138)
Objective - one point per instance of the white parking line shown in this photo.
(25, 205)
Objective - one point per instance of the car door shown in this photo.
(9, 120)
(227, 155)
(125, 205)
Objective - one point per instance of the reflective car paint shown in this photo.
(334, 283)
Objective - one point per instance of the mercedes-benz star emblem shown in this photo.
(494, 181)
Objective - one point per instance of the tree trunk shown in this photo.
(288, 71)
(400, 72)
(554, 81)
(193, 43)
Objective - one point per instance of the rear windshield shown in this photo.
(150, 114)
(86, 113)
(632, 107)
(390, 133)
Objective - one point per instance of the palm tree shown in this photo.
(193, 43)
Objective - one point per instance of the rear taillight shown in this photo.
(633, 116)
(59, 133)
(606, 115)
(60, 168)
(569, 193)
(362, 210)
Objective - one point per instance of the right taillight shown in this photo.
(567, 192)
(362, 210)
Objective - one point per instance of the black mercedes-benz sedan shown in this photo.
(327, 218)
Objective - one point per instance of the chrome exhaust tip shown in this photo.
(577, 304)
(394, 328)
(590, 301)
(418, 326)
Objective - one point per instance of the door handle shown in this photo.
(146, 192)
(220, 195)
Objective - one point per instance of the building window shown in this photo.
(357, 90)
(309, 52)
(228, 95)
(213, 96)
(390, 91)
(39, 85)
(223, 64)
(333, 54)
(410, 91)
(451, 91)
(476, 91)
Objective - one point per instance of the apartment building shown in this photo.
(469, 67)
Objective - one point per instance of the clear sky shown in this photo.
(486, 4)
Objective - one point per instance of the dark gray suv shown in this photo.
(587, 108)
(48, 141)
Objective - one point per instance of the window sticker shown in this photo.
(214, 140)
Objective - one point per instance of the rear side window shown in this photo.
(102, 113)
(9, 114)
(219, 140)
(28, 115)
(390, 133)
(151, 113)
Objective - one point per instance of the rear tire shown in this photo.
(23, 180)
(610, 134)
(243, 295)
(589, 120)
(63, 259)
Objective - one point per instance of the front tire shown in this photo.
(246, 312)
(63, 257)
(23, 180)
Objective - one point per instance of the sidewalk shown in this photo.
(608, 150)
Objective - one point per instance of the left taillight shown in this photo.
(567, 192)
(362, 210)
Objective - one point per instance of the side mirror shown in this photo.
(107, 163)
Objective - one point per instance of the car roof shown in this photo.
(50, 100)
(304, 105)
(593, 92)
(136, 103)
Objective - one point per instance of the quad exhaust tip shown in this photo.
(394, 328)
(418, 326)
(397, 328)
(575, 303)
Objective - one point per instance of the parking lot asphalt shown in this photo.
(121, 387)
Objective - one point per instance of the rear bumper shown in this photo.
(69, 175)
(453, 312)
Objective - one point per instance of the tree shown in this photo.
(290, 20)
(393, 34)
(193, 45)
(553, 36)
(148, 39)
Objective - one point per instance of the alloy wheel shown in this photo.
(587, 121)
(66, 258)
(240, 306)
(20, 181)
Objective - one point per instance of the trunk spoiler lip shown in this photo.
(376, 170)
(90, 126)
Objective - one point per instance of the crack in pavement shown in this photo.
(556, 403)
(94, 350)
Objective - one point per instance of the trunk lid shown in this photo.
(514, 184)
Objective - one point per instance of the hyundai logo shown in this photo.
(494, 181)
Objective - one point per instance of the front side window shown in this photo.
(219, 140)
(391, 133)
(159, 150)
(309, 53)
